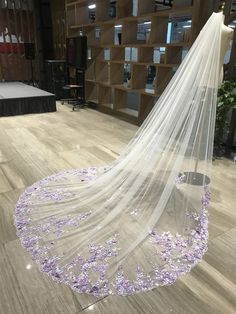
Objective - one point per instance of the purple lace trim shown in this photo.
(178, 253)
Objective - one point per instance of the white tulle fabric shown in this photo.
(141, 221)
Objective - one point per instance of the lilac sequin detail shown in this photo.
(176, 253)
(180, 178)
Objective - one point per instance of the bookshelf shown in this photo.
(134, 49)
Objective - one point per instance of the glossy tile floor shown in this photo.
(35, 146)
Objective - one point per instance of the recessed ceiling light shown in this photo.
(92, 6)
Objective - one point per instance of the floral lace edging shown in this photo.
(179, 254)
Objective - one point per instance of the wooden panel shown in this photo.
(91, 92)
(159, 27)
(117, 53)
(120, 99)
(146, 105)
(105, 96)
(70, 15)
(163, 77)
(182, 3)
(138, 77)
(97, 53)
(146, 6)
(17, 26)
(59, 28)
(129, 33)
(116, 73)
(90, 72)
(102, 10)
(107, 34)
(124, 8)
(90, 32)
(145, 54)
(82, 14)
(173, 55)
(102, 72)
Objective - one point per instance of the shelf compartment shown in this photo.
(91, 92)
(180, 28)
(93, 35)
(91, 13)
(159, 55)
(72, 32)
(126, 102)
(102, 72)
(131, 54)
(106, 54)
(126, 75)
(159, 29)
(143, 32)
(105, 96)
(151, 72)
(133, 103)
(163, 5)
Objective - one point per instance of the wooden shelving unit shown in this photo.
(134, 49)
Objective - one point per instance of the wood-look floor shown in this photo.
(34, 146)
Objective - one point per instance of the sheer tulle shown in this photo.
(140, 222)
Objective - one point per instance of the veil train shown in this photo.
(140, 222)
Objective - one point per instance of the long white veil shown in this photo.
(140, 222)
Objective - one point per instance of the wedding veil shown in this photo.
(141, 221)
